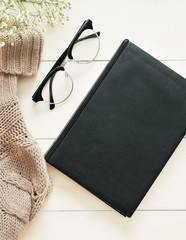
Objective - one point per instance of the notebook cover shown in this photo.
(125, 130)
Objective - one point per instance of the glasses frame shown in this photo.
(59, 66)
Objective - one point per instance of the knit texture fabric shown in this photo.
(24, 181)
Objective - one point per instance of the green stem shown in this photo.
(39, 2)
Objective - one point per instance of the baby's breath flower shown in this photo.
(43, 12)
(43, 29)
(2, 44)
(3, 25)
(12, 43)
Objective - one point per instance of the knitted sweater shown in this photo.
(24, 181)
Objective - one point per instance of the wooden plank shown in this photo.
(106, 225)
(167, 191)
(156, 26)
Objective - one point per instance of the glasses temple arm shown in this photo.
(94, 35)
(52, 105)
(36, 97)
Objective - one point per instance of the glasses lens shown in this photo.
(86, 47)
(61, 86)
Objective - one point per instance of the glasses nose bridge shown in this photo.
(67, 59)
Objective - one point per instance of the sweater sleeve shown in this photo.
(23, 58)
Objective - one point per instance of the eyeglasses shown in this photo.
(58, 85)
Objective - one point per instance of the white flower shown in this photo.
(43, 18)
(14, 28)
(46, 12)
(7, 17)
(3, 24)
(12, 4)
(2, 44)
(12, 43)
(10, 31)
(21, 19)
(18, 16)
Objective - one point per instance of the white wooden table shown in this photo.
(71, 212)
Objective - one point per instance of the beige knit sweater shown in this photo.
(24, 182)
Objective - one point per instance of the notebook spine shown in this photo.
(86, 100)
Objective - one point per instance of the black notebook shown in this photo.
(125, 130)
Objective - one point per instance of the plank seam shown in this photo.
(138, 210)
